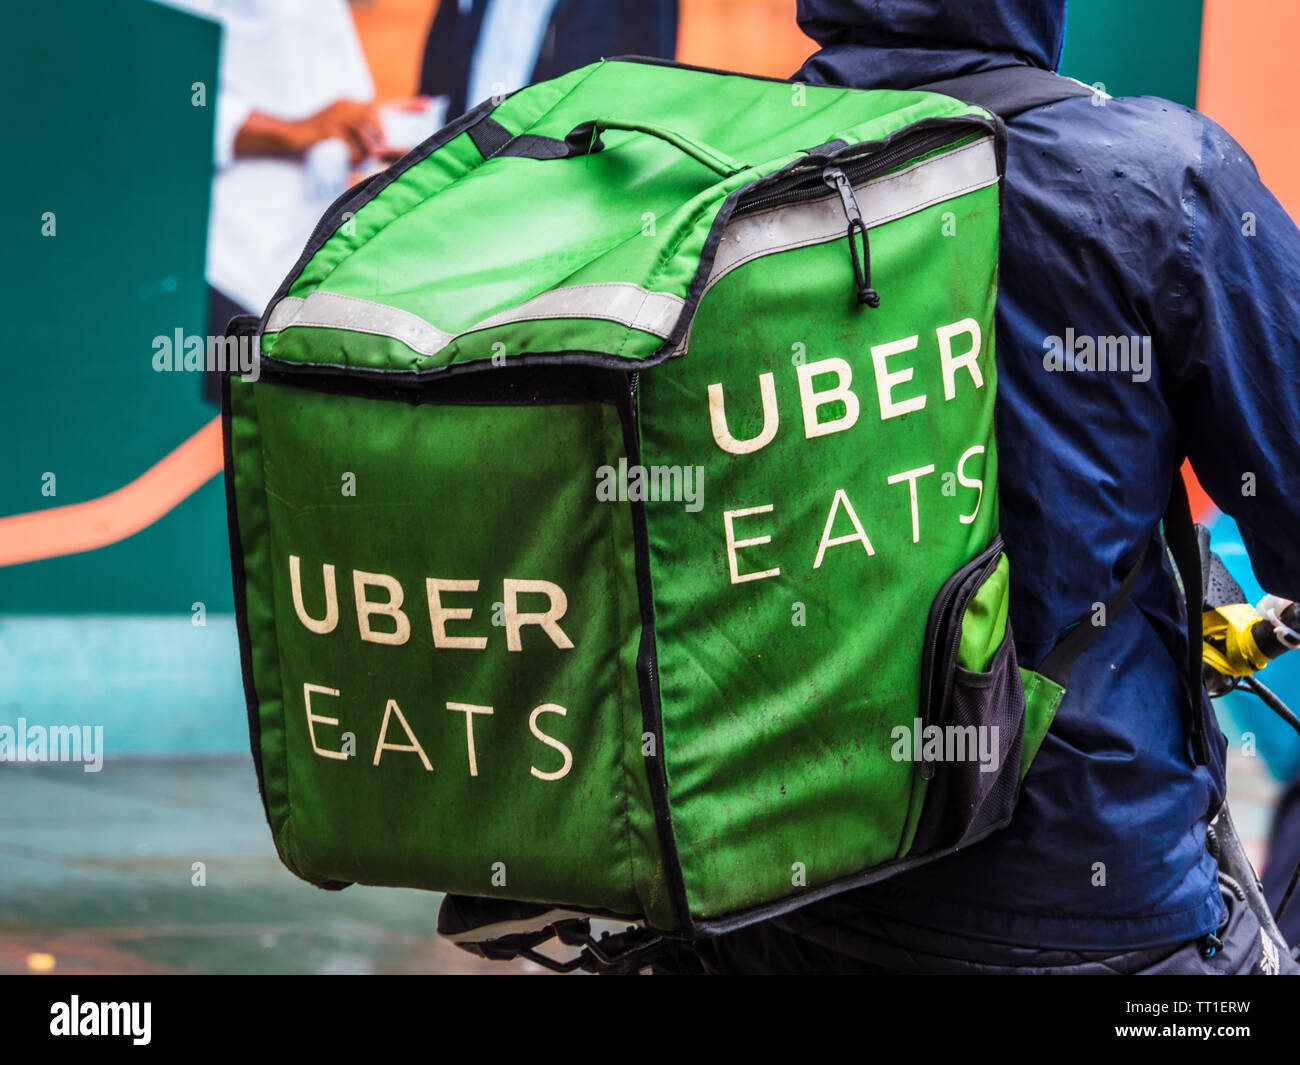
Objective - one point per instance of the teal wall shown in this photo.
(1135, 47)
(107, 138)
(100, 129)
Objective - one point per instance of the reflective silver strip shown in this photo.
(881, 200)
(616, 301)
(330, 310)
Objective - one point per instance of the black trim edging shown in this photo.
(648, 681)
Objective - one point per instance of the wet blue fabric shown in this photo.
(1122, 218)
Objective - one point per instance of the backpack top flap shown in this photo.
(575, 221)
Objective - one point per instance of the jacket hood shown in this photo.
(906, 42)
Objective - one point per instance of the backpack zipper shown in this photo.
(807, 183)
(802, 181)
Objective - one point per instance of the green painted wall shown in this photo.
(101, 131)
(1146, 48)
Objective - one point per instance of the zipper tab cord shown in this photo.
(862, 272)
(836, 179)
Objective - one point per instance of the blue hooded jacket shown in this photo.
(1127, 217)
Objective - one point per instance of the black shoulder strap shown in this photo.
(1009, 91)
(1180, 535)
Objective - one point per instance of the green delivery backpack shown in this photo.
(614, 505)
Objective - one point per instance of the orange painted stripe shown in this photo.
(98, 522)
(1203, 508)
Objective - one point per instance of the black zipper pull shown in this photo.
(836, 179)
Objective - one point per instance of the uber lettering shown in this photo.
(384, 617)
(830, 381)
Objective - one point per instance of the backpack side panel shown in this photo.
(792, 607)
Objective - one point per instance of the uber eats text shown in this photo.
(395, 730)
(958, 350)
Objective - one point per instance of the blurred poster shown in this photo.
(478, 49)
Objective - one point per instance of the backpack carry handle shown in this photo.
(584, 139)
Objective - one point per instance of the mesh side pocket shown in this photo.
(994, 700)
(976, 781)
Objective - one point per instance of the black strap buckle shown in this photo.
(503, 929)
(613, 954)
